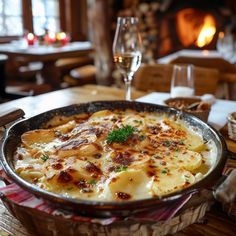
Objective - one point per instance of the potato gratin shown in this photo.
(113, 156)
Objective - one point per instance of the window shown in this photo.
(11, 18)
(45, 16)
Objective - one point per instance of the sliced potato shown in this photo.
(37, 136)
(171, 180)
(65, 127)
(191, 140)
(101, 115)
(131, 183)
(58, 120)
(194, 143)
(186, 159)
(134, 120)
(29, 174)
(84, 147)
(72, 170)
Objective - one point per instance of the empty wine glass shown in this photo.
(127, 49)
(182, 83)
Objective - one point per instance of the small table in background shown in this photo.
(48, 55)
(189, 53)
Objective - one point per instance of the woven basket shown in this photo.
(42, 224)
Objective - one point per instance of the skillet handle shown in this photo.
(10, 115)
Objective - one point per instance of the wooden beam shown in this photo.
(75, 19)
(62, 12)
(99, 25)
(27, 16)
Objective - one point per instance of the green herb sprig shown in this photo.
(44, 157)
(120, 135)
(121, 168)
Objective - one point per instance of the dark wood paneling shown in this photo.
(62, 7)
(27, 15)
(75, 19)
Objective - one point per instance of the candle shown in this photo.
(30, 38)
(50, 38)
(63, 38)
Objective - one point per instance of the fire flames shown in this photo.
(207, 32)
(195, 27)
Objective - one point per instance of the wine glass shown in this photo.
(182, 83)
(127, 49)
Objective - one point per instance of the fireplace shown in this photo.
(171, 25)
(190, 24)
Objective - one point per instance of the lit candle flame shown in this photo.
(30, 36)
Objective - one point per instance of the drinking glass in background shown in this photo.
(182, 82)
(226, 45)
(127, 48)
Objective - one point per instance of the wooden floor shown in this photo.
(215, 222)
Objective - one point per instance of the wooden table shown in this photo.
(216, 222)
(48, 55)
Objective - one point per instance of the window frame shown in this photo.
(4, 22)
(27, 20)
(69, 19)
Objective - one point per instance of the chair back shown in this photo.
(157, 77)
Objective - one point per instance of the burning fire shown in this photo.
(207, 32)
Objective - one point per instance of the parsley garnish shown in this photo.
(138, 121)
(92, 182)
(167, 143)
(176, 149)
(164, 171)
(44, 157)
(120, 135)
(181, 142)
(121, 168)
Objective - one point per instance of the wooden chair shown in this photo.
(227, 71)
(158, 78)
(81, 76)
(65, 65)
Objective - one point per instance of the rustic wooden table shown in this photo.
(48, 55)
(215, 223)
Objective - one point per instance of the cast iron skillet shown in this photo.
(96, 208)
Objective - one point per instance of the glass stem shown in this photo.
(128, 80)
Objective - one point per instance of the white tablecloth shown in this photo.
(219, 110)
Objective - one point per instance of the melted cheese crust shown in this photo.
(71, 156)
